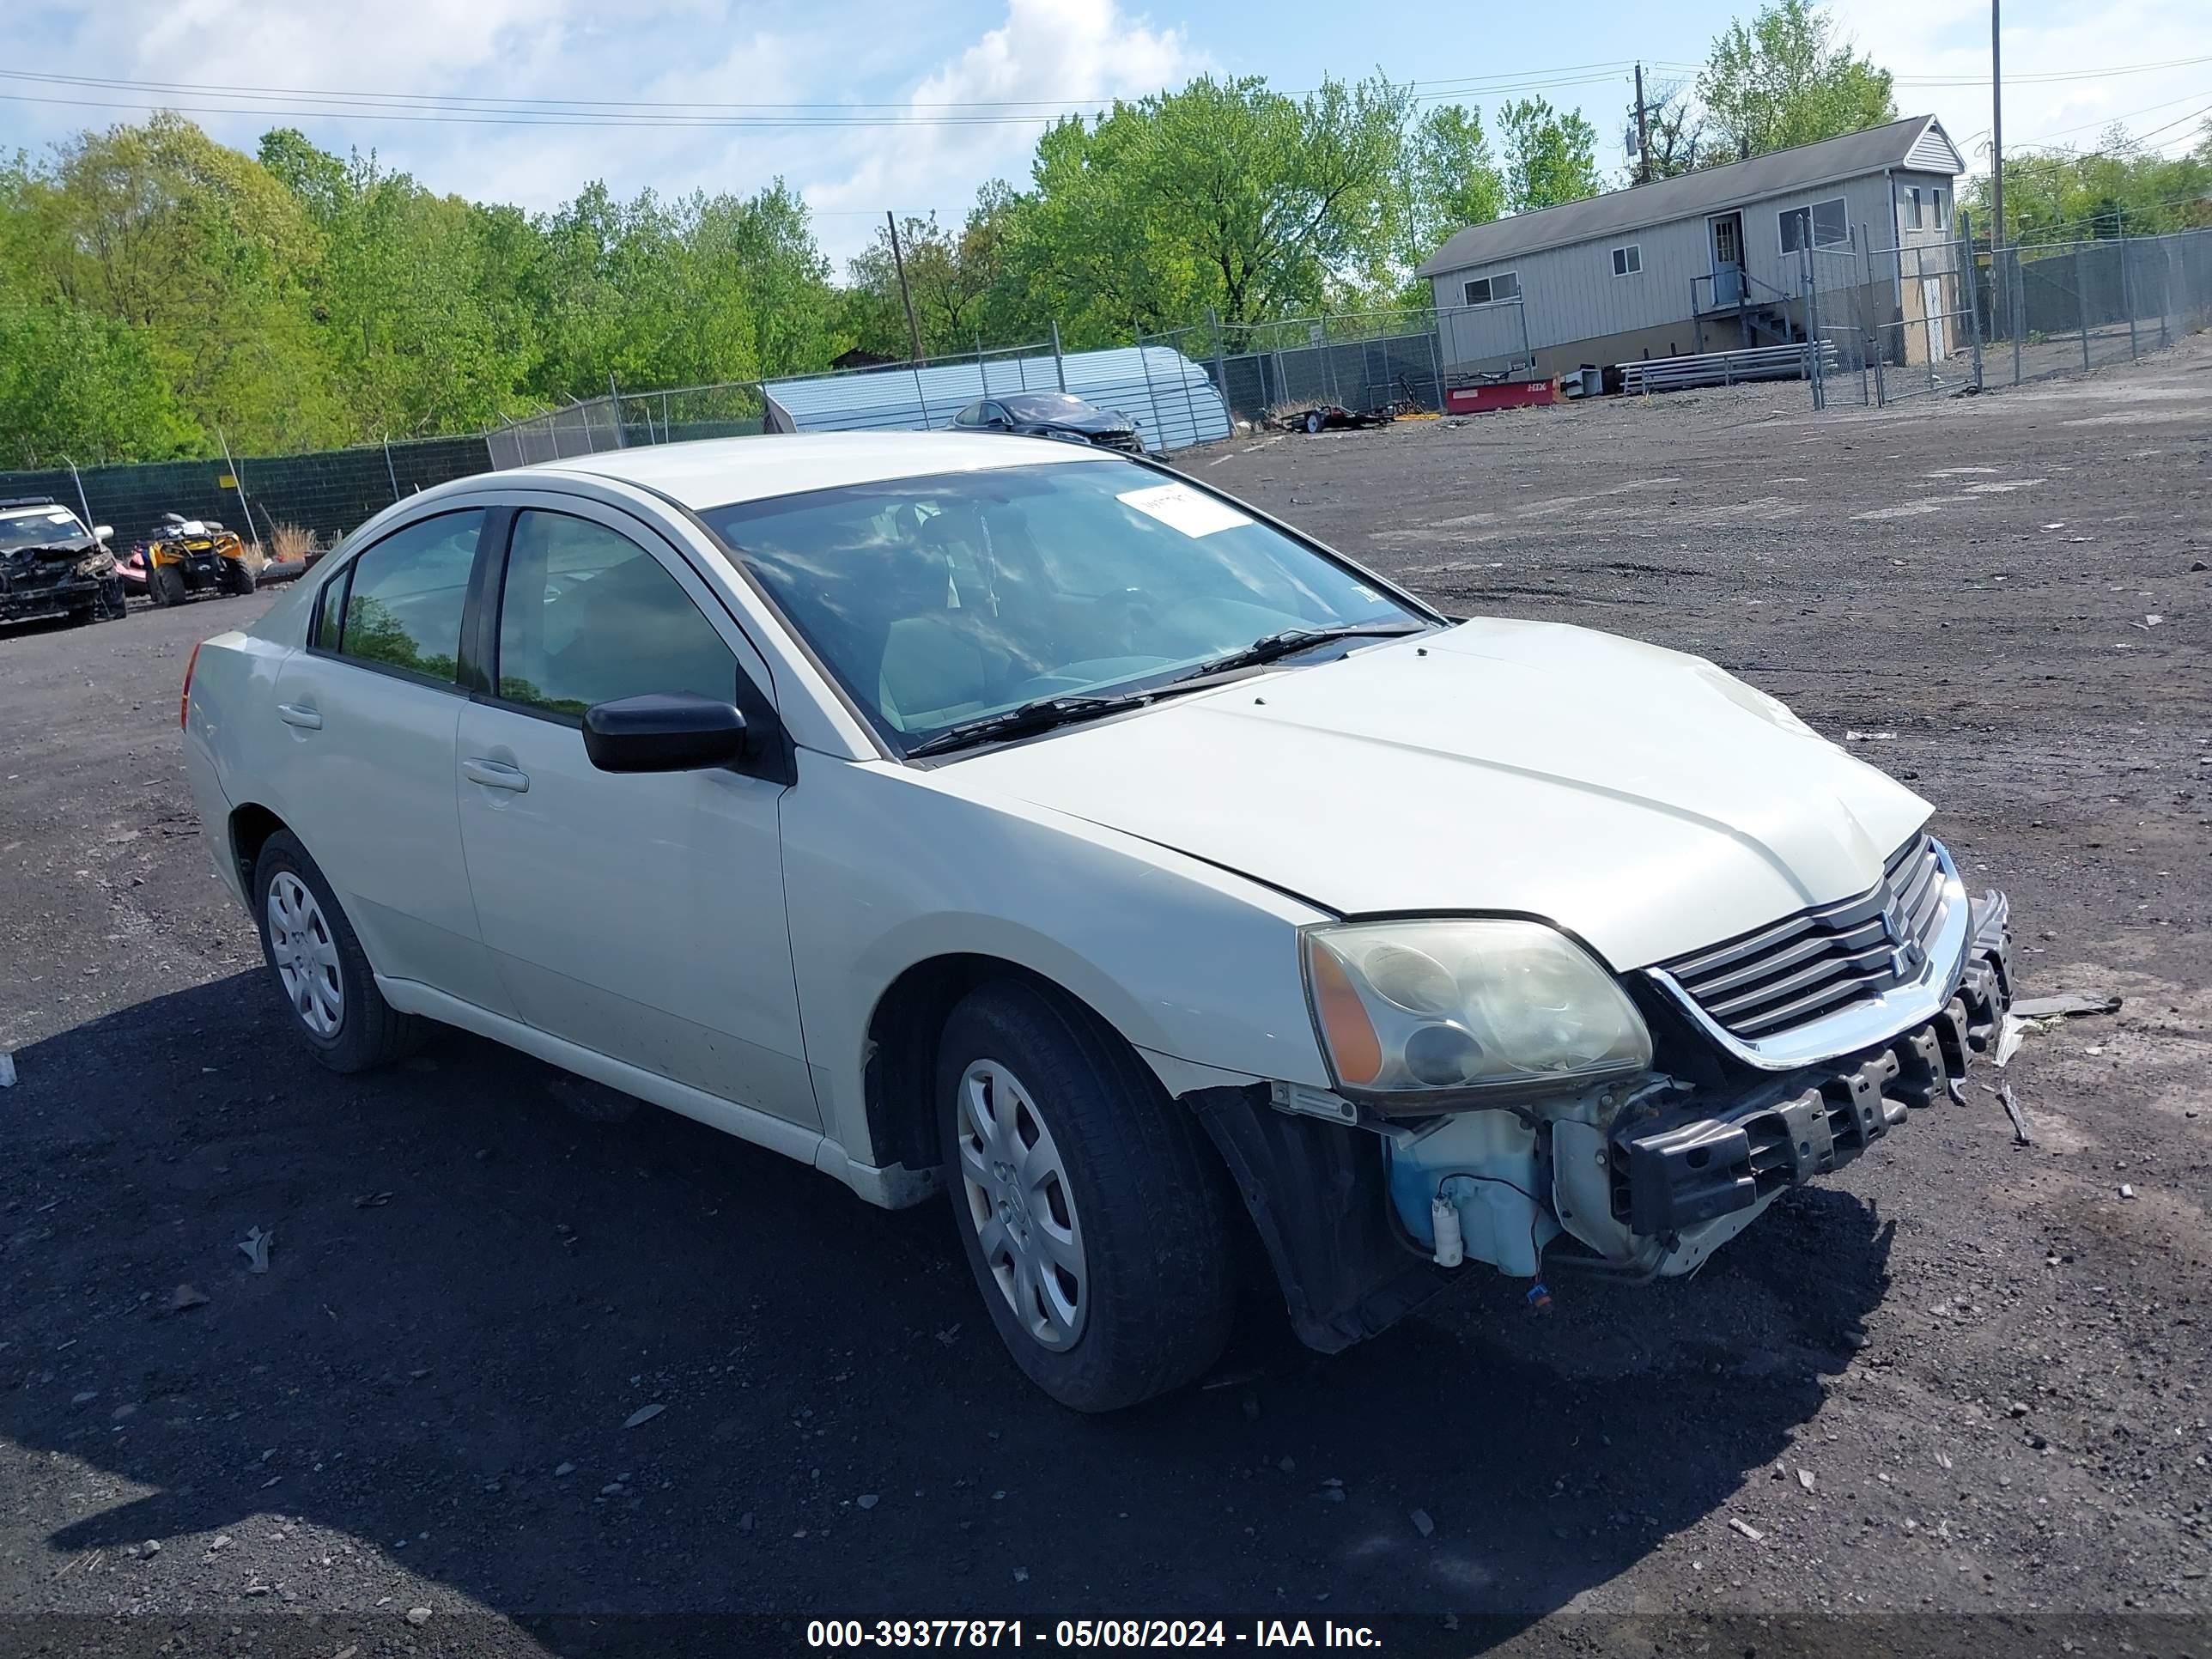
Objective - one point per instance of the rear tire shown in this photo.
(238, 577)
(1091, 1214)
(319, 967)
(165, 585)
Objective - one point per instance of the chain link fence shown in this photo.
(1359, 361)
(1939, 316)
(2061, 307)
(625, 419)
(327, 493)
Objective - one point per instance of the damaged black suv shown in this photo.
(52, 565)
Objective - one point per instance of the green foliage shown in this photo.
(160, 293)
(1222, 196)
(957, 279)
(78, 387)
(1550, 157)
(1452, 180)
(2120, 188)
(1786, 79)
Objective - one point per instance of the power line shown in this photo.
(2107, 121)
(2011, 79)
(2177, 120)
(1571, 74)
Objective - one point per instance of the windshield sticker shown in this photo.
(1181, 508)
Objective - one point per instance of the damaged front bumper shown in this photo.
(1676, 1176)
(1650, 1183)
(22, 599)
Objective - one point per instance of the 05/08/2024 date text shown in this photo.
(1077, 1633)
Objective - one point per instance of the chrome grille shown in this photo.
(1809, 965)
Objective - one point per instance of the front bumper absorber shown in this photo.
(1695, 1163)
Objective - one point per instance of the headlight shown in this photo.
(1418, 1007)
(96, 563)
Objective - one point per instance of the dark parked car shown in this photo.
(52, 565)
(1051, 414)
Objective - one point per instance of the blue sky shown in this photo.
(988, 62)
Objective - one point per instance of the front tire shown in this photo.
(316, 960)
(1091, 1215)
(165, 585)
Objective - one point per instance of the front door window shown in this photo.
(1728, 242)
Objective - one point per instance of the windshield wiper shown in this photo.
(1270, 647)
(1039, 715)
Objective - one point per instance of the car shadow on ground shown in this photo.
(474, 1298)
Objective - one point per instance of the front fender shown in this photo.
(887, 867)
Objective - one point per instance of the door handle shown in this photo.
(496, 775)
(299, 714)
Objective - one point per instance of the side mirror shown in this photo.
(663, 732)
(100, 532)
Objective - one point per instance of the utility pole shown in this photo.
(898, 258)
(1643, 130)
(1996, 134)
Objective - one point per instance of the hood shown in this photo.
(1638, 797)
(1100, 422)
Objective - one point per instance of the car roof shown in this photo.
(716, 471)
(37, 509)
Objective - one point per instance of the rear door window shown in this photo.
(404, 598)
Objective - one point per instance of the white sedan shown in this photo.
(981, 812)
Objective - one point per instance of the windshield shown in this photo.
(938, 600)
(52, 524)
(1047, 406)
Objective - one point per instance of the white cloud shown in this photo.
(1951, 39)
(1045, 50)
(711, 51)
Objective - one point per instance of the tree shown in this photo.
(399, 294)
(1452, 179)
(1789, 79)
(957, 279)
(76, 388)
(1675, 129)
(1551, 157)
(2119, 188)
(1223, 195)
(198, 250)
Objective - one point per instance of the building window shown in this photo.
(1821, 225)
(1912, 207)
(1627, 261)
(1494, 290)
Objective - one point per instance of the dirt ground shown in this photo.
(1961, 1388)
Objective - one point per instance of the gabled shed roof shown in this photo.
(1917, 142)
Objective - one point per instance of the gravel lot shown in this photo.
(1963, 1378)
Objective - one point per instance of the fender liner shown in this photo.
(1318, 1195)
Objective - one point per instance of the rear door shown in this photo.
(369, 712)
(640, 915)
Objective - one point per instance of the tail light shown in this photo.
(185, 696)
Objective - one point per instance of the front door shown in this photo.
(1727, 259)
(640, 915)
